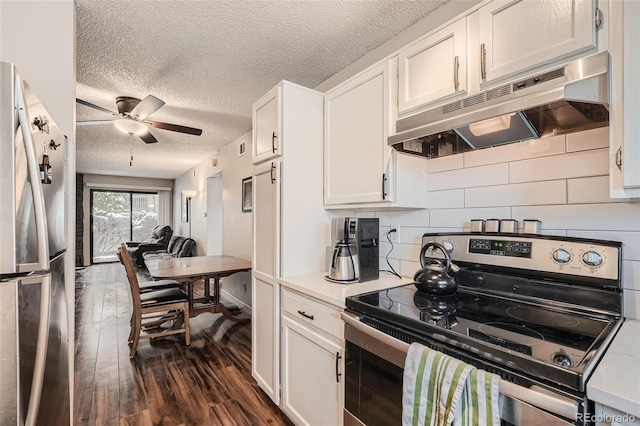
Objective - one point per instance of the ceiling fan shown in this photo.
(132, 117)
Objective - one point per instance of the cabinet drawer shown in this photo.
(312, 311)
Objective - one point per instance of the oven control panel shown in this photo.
(500, 247)
(572, 256)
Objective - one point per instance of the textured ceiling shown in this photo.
(209, 61)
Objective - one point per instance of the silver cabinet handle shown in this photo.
(483, 62)
(456, 65)
(34, 176)
(273, 142)
(619, 158)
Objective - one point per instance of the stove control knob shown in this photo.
(592, 258)
(562, 360)
(449, 246)
(561, 256)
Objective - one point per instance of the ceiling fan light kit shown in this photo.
(131, 117)
(132, 127)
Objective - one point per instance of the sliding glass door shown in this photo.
(119, 216)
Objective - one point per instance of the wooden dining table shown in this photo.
(187, 270)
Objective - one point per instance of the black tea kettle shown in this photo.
(434, 277)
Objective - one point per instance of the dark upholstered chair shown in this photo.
(159, 240)
(178, 247)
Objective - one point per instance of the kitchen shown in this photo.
(562, 177)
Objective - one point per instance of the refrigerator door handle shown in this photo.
(42, 343)
(34, 175)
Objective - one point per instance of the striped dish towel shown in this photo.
(439, 390)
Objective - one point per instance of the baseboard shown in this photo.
(245, 308)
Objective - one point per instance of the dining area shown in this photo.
(181, 288)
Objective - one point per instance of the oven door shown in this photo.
(374, 366)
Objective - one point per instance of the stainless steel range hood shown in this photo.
(567, 99)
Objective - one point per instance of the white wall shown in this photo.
(237, 236)
(39, 38)
(113, 183)
(562, 181)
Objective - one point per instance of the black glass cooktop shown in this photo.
(504, 329)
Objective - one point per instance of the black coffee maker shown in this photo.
(356, 254)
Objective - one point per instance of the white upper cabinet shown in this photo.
(434, 68)
(266, 124)
(624, 126)
(355, 136)
(360, 169)
(517, 35)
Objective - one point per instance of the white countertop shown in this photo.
(316, 286)
(616, 380)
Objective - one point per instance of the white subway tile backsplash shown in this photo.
(631, 304)
(591, 139)
(609, 217)
(384, 267)
(454, 218)
(442, 164)
(451, 199)
(573, 165)
(556, 232)
(515, 151)
(412, 235)
(404, 217)
(630, 240)
(590, 190)
(630, 274)
(408, 268)
(495, 174)
(400, 251)
(520, 194)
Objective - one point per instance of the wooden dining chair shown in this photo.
(150, 307)
(153, 285)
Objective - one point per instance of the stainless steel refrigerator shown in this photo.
(34, 343)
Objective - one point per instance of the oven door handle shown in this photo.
(354, 321)
(554, 403)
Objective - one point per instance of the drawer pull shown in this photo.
(304, 314)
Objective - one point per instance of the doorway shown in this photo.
(214, 215)
(117, 217)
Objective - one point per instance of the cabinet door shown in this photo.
(356, 130)
(312, 380)
(517, 35)
(434, 68)
(266, 126)
(265, 353)
(266, 219)
(624, 126)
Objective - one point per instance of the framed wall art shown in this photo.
(247, 193)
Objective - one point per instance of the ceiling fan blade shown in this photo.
(91, 122)
(148, 138)
(175, 128)
(94, 106)
(146, 107)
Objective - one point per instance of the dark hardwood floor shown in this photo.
(167, 383)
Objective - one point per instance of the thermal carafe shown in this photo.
(355, 256)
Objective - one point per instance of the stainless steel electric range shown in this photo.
(537, 310)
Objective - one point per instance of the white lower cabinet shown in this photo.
(264, 330)
(312, 362)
